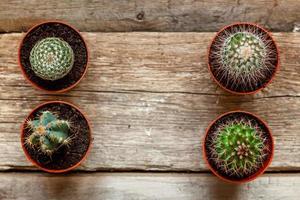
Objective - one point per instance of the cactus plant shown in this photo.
(48, 133)
(51, 58)
(238, 148)
(243, 57)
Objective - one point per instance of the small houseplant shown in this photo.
(238, 146)
(53, 56)
(56, 136)
(243, 58)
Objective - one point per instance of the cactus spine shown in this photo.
(238, 148)
(48, 133)
(51, 58)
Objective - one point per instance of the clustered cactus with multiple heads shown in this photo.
(238, 148)
(242, 57)
(51, 58)
(48, 133)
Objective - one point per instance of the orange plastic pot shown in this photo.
(218, 82)
(32, 160)
(25, 74)
(255, 175)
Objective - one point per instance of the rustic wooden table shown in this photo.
(150, 98)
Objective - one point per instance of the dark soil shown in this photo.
(65, 157)
(231, 84)
(223, 120)
(55, 29)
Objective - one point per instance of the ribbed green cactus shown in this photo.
(243, 56)
(51, 58)
(243, 53)
(48, 133)
(239, 148)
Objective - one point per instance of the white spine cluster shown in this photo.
(242, 56)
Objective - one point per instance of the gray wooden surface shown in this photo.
(155, 15)
(150, 98)
(36, 186)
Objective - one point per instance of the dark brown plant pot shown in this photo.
(243, 84)
(68, 34)
(66, 158)
(209, 156)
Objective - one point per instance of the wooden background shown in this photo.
(150, 98)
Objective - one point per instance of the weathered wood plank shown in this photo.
(144, 186)
(145, 131)
(158, 15)
(150, 98)
(155, 62)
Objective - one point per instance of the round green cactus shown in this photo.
(243, 57)
(51, 58)
(238, 148)
(243, 53)
(48, 133)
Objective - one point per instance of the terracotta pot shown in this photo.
(26, 75)
(262, 168)
(210, 67)
(35, 163)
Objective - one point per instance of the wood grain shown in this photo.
(37, 186)
(156, 62)
(143, 15)
(150, 99)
